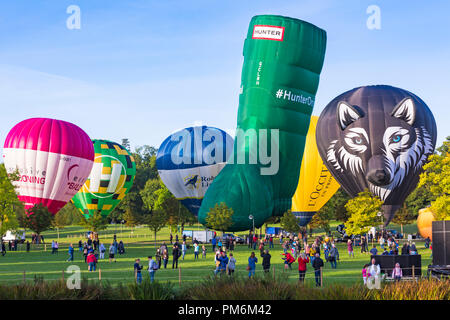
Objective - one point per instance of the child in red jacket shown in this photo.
(288, 260)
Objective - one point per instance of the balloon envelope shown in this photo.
(377, 138)
(190, 159)
(316, 185)
(53, 157)
(424, 223)
(109, 181)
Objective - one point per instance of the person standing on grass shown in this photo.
(374, 250)
(203, 252)
(158, 258)
(382, 241)
(363, 244)
(364, 272)
(252, 260)
(175, 255)
(374, 270)
(271, 241)
(333, 256)
(92, 261)
(350, 248)
(112, 252)
(137, 271)
(28, 246)
(318, 265)
(183, 249)
(165, 258)
(223, 259)
(231, 265)
(80, 246)
(214, 242)
(303, 260)
(3, 248)
(56, 247)
(397, 272)
(152, 267)
(70, 252)
(266, 260)
(196, 249)
(102, 251)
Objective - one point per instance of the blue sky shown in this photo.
(142, 69)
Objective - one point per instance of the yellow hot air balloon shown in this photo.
(316, 185)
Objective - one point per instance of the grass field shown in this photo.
(139, 243)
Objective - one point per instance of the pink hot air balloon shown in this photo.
(54, 159)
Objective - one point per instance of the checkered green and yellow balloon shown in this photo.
(110, 180)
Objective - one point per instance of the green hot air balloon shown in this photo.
(110, 180)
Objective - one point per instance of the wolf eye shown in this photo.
(397, 138)
(358, 140)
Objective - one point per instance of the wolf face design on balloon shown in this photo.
(384, 159)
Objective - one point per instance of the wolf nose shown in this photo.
(379, 177)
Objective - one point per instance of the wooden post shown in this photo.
(414, 273)
(179, 276)
(63, 275)
(273, 268)
(24, 277)
(99, 274)
(321, 277)
(45, 247)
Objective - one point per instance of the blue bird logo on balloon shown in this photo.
(191, 181)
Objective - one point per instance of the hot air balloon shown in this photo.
(424, 223)
(110, 180)
(53, 157)
(316, 185)
(377, 138)
(189, 160)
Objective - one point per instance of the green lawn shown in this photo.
(139, 243)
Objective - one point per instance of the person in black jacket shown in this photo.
(175, 254)
(266, 260)
(317, 265)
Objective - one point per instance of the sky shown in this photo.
(143, 69)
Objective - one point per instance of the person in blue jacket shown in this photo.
(223, 263)
(213, 242)
(252, 260)
(70, 253)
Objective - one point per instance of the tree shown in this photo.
(220, 217)
(436, 179)
(404, 216)
(94, 223)
(363, 211)
(131, 218)
(38, 219)
(289, 222)
(321, 220)
(335, 207)
(126, 144)
(60, 220)
(156, 221)
(10, 206)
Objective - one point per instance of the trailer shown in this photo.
(202, 236)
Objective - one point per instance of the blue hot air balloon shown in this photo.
(189, 160)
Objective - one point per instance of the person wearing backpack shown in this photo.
(152, 267)
(333, 256)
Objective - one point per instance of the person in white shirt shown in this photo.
(374, 270)
(183, 249)
(152, 267)
(102, 251)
